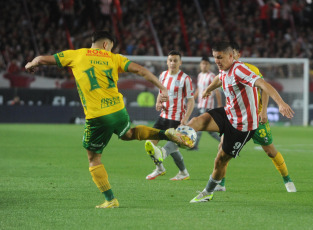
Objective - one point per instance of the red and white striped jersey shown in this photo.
(179, 88)
(203, 81)
(241, 96)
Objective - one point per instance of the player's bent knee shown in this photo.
(271, 152)
(93, 158)
(129, 135)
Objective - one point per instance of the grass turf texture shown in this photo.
(45, 184)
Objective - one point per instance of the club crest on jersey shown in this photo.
(177, 83)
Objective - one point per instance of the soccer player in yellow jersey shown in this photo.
(96, 73)
(263, 135)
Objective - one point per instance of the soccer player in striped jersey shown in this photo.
(96, 73)
(173, 114)
(239, 119)
(205, 77)
(263, 134)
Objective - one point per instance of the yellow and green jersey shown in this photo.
(96, 74)
(257, 72)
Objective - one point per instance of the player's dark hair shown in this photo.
(205, 58)
(103, 34)
(222, 46)
(234, 45)
(174, 52)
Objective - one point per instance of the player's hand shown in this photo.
(263, 117)
(164, 95)
(184, 121)
(30, 67)
(206, 93)
(159, 105)
(285, 110)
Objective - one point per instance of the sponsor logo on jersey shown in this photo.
(108, 102)
(97, 53)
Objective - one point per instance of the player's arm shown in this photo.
(196, 93)
(142, 71)
(214, 85)
(40, 60)
(158, 104)
(190, 107)
(263, 113)
(218, 98)
(284, 108)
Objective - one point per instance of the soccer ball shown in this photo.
(190, 132)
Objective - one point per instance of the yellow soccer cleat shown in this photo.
(109, 204)
(181, 139)
(154, 152)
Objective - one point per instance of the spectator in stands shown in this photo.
(16, 101)
(45, 18)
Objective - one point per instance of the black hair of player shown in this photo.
(174, 52)
(234, 45)
(102, 34)
(222, 46)
(206, 58)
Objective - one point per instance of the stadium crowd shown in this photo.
(262, 28)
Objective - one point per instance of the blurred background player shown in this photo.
(263, 134)
(96, 73)
(204, 79)
(173, 114)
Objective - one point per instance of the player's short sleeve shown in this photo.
(245, 76)
(122, 63)
(65, 58)
(188, 87)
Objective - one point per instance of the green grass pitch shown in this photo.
(45, 184)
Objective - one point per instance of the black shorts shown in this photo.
(234, 139)
(164, 124)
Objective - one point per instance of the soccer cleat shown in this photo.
(181, 176)
(220, 188)
(154, 152)
(109, 204)
(179, 138)
(290, 186)
(155, 174)
(203, 196)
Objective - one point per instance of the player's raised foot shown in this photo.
(154, 152)
(203, 196)
(179, 138)
(109, 204)
(220, 188)
(290, 186)
(157, 172)
(181, 176)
